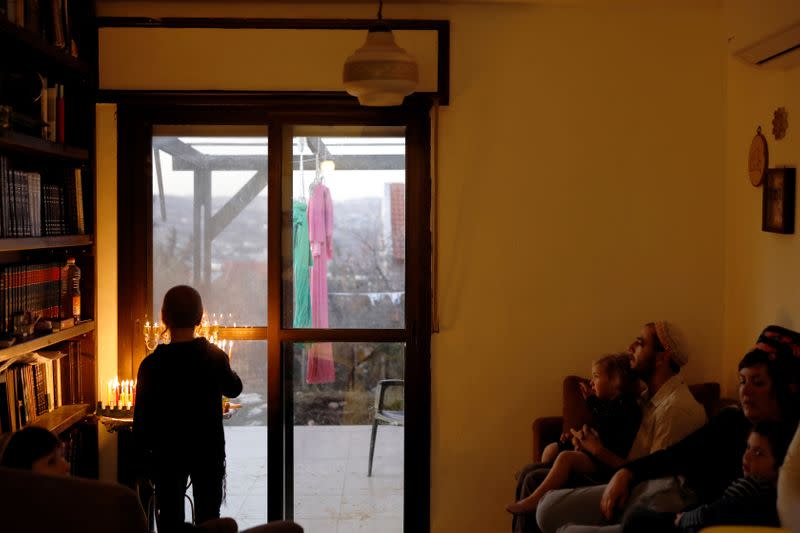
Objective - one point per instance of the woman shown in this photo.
(709, 458)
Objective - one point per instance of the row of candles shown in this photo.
(121, 394)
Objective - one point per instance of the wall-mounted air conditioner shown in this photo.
(764, 32)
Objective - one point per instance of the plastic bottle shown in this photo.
(71, 290)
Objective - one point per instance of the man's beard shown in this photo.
(644, 369)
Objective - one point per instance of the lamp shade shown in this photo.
(380, 73)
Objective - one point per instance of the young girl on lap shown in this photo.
(598, 450)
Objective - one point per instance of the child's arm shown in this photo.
(745, 502)
(230, 382)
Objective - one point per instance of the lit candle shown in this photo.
(110, 393)
(133, 402)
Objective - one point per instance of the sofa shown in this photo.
(575, 413)
(36, 503)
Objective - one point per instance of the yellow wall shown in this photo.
(106, 236)
(761, 268)
(582, 188)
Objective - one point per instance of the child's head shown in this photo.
(35, 449)
(182, 307)
(611, 375)
(766, 448)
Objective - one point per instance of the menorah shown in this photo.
(158, 334)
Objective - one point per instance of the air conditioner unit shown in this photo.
(764, 32)
(781, 50)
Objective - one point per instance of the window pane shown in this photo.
(246, 438)
(210, 218)
(245, 425)
(345, 198)
(333, 424)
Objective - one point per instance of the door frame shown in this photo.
(137, 112)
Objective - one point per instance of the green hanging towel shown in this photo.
(301, 251)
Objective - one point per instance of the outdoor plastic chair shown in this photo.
(383, 416)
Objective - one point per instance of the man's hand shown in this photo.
(678, 519)
(586, 389)
(616, 493)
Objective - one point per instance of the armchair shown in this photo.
(35, 502)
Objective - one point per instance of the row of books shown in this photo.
(35, 289)
(39, 384)
(30, 208)
(52, 19)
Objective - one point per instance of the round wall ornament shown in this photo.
(758, 158)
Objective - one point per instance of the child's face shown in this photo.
(758, 460)
(52, 464)
(601, 383)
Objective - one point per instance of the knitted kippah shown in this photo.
(782, 335)
(671, 340)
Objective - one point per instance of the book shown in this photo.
(51, 113)
(81, 228)
(60, 114)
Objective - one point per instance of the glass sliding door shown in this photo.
(306, 232)
(346, 271)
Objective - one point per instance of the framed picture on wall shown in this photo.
(777, 208)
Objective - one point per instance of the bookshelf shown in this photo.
(12, 141)
(63, 417)
(35, 243)
(47, 192)
(46, 340)
(35, 47)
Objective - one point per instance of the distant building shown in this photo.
(394, 219)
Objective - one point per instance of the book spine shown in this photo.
(43, 106)
(79, 200)
(60, 114)
(52, 92)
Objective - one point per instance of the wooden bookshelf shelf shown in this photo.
(22, 40)
(39, 243)
(62, 418)
(46, 340)
(19, 142)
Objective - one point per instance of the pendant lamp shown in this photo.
(380, 73)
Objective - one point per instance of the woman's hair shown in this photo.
(182, 307)
(618, 368)
(26, 446)
(783, 369)
(779, 435)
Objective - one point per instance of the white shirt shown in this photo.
(669, 416)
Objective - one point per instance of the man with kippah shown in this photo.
(669, 411)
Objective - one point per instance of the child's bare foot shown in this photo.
(520, 507)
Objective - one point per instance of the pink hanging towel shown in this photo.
(320, 236)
